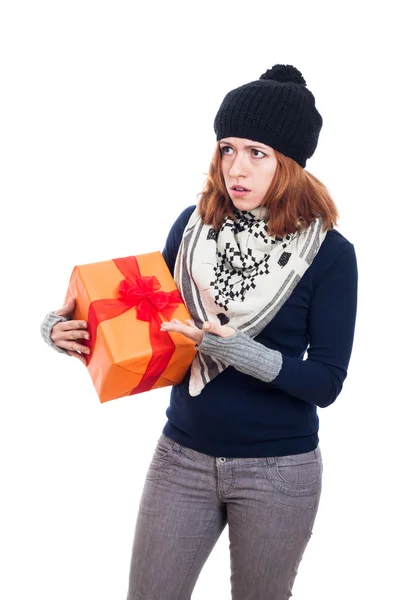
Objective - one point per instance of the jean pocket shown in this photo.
(162, 463)
(293, 480)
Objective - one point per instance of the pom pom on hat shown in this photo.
(284, 73)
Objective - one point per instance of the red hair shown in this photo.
(295, 198)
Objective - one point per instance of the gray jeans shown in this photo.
(269, 504)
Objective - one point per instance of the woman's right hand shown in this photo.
(66, 334)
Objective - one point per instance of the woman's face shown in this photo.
(247, 164)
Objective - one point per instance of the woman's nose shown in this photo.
(238, 167)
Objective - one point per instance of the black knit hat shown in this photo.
(277, 110)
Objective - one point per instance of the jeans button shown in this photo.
(222, 459)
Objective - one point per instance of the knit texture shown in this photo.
(277, 110)
(243, 353)
(46, 328)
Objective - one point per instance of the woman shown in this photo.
(266, 279)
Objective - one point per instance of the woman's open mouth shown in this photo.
(239, 190)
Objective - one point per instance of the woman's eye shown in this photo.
(256, 153)
(223, 148)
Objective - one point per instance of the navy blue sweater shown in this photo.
(237, 415)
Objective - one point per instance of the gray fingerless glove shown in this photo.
(243, 353)
(45, 329)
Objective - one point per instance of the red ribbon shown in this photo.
(140, 291)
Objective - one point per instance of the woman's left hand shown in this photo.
(195, 334)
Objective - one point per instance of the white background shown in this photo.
(106, 136)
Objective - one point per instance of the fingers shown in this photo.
(68, 335)
(74, 346)
(178, 326)
(67, 325)
(173, 325)
(81, 357)
(67, 309)
(69, 330)
(189, 329)
(72, 334)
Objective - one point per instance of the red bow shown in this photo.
(140, 291)
(142, 294)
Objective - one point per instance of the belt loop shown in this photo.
(270, 460)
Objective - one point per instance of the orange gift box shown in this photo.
(124, 302)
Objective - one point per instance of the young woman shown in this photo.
(271, 287)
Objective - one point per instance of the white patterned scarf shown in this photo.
(239, 276)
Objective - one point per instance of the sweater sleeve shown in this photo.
(174, 238)
(331, 323)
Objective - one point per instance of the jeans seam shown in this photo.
(314, 497)
(296, 485)
(222, 493)
(212, 520)
(302, 492)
